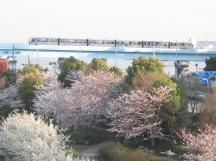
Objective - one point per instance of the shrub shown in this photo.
(99, 64)
(179, 149)
(86, 135)
(133, 142)
(118, 152)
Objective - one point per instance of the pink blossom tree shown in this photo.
(80, 105)
(202, 145)
(10, 96)
(136, 114)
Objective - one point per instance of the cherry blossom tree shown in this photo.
(9, 96)
(83, 104)
(50, 82)
(202, 145)
(25, 137)
(136, 113)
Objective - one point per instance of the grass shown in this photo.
(73, 152)
(119, 152)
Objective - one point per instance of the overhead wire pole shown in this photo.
(176, 64)
(196, 59)
(154, 52)
(13, 52)
(176, 49)
(80, 49)
(115, 53)
(37, 50)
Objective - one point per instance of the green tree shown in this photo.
(141, 65)
(210, 64)
(175, 112)
(99, 64)
(32, 78)
(181, 67)
(117, 71)
(148, 73)
(66, 65)
(32, 68)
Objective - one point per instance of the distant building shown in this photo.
(3, 65)
(12, 64)
(7, 63)
(206, 44)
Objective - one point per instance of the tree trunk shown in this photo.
(153, 143)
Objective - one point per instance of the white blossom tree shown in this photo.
(25, 137)
(201, 146)
(80, 105)
(136, 113)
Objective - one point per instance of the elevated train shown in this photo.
(109, 43)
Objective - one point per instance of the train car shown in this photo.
(110, 43)
(73, 42)
(43, 41)
(128, 43)
(103, 43)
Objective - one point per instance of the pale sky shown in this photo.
(108, 19)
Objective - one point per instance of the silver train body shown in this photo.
(109, 43)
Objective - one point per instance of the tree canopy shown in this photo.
(210, 64)
(67, 65)
(99, 64)
(146, 73)
(31, 78)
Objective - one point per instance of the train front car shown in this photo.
(43, 41)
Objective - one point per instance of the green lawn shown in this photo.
(119, 152)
